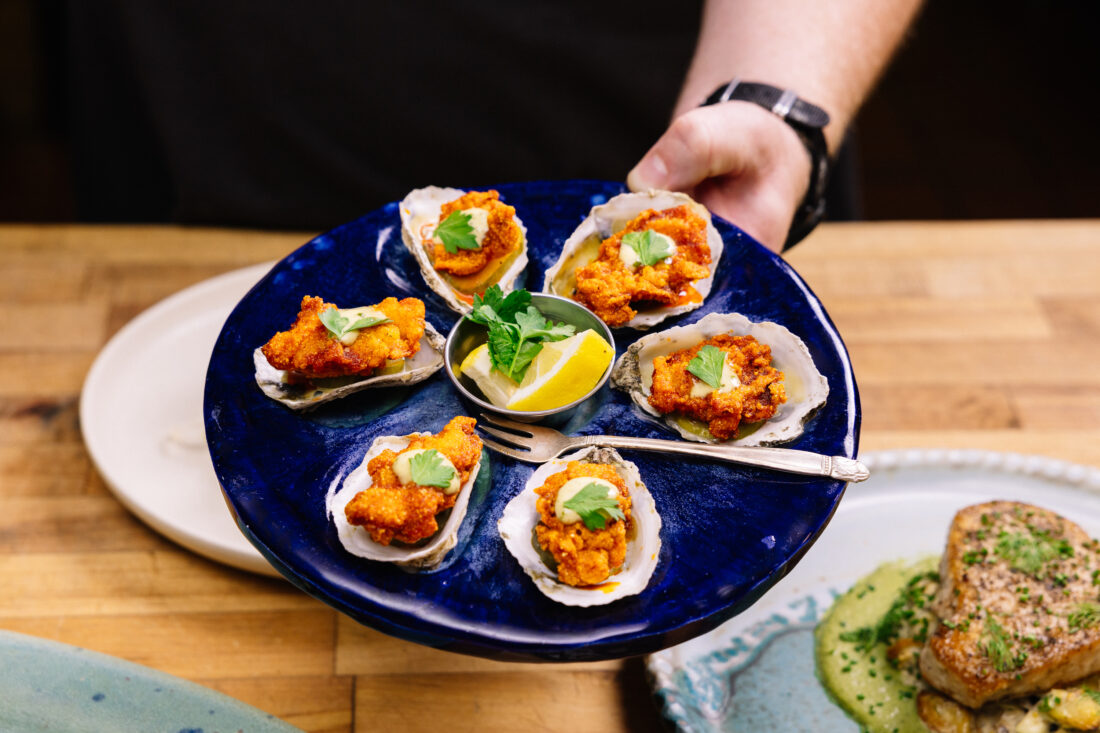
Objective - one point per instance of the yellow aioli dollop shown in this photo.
(629, 256)
(402, 466)
(479, 222)
(571, 488)
(728, 382)
(356, 314)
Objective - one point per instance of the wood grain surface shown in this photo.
(963, 335)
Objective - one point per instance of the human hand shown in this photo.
(739, 160)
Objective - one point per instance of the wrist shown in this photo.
(807, 121)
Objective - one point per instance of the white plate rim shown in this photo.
(243, 556)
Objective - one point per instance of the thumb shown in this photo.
(689, 152)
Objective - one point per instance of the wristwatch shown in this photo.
(808, 121)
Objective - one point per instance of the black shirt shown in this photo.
(295, 114)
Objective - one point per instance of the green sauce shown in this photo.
(858, 676)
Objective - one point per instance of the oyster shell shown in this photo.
(421, 207)
(421, 365)
(357, 540)
(806, 387)
(607, 218)
(517, 529)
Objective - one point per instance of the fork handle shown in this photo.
(780, 459)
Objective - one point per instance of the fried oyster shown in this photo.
(309, 349)
(639, 258)
(584, 556)
(395, 507)
(585, 528)
(751, 388)
(463, 242)
(734, 392)
(502, 235)
(610, 287)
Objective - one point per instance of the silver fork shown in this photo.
(535, 444)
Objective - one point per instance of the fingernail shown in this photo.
(651, 172)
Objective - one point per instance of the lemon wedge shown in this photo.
(496, 387)
(563, 372)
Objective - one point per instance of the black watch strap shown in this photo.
(808, 120)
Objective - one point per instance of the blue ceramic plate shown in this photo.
(47, 686)
(728, 532)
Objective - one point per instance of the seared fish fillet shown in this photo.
(1017, 604)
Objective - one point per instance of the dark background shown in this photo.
(989, 111)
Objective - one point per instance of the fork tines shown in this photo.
(513, 440)
(504, 450)
(526, 429)
(516, 446)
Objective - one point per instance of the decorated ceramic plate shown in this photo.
(756, 671)
(47, 686)
(728, 532)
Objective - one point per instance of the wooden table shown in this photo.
(963, 335)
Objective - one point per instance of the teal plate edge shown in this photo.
(49, 686)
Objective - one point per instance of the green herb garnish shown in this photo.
(339, 326)
(997, 648)
(456, 233)
(516, 329)
(428, 469)
(708, 364)
(1030, 553)
(900, 618)
(1085, 616)
(493, 305)
(650, 247)
(594, 506)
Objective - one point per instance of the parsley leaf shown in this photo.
(493, 305)
(525, 353)
(530, 322)
(339, 326)
(650, 246)
(334, 322)
(708, 364)
(367, 322)
(509, 352)
(513, 303)
(594, 506)
(428, 469)
(532, 325)
(456, 233)
(516, 329)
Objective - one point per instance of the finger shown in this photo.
(764, 218)
(693, 149)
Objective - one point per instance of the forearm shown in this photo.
(830, 52)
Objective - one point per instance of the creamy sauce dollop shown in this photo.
(629, 256)
(571, 488)
(729, 381)
(479, 222)
(402, 466)
(357, 314)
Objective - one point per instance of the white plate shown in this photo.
(745, 674)
(142, 420)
